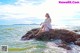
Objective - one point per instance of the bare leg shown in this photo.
(40, 30)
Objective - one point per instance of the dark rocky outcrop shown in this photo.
(77, 42)
(65, 46)
(65, 35)
(76, 30)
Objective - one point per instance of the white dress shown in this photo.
(47, 24)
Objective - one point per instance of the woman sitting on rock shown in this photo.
(46, 25)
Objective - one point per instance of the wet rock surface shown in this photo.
(65, 35)
(65, 46)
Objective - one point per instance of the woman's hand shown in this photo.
(41, 23)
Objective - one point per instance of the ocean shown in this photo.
(10, 35)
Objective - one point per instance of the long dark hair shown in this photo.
(47, 15)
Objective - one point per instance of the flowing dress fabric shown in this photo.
(47, 24)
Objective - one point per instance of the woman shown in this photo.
(46, 25)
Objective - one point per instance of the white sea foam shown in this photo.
(52, 48)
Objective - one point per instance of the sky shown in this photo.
(33, 11)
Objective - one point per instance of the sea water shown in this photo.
(10, 35)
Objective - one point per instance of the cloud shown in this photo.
(29, 2)
(23, 10)
(27, 9)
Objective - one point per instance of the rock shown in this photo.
(77, 43)
(76, 30)
(45, 36)
(30, 34)
(65, 46)
(64, 35)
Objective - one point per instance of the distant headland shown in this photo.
(27, 24)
